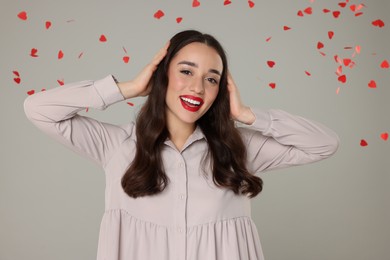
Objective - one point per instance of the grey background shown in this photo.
(51, 200)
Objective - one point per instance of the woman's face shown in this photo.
(194, 75)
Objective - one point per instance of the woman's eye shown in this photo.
(213, 81)
(187, 72)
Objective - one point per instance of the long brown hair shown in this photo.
(227, 152)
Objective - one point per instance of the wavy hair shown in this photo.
(226, 153)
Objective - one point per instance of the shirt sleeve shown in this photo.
(55, 113)
(278, 139)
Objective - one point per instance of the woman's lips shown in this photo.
(191, 103)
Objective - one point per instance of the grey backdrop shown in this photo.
(51, 200)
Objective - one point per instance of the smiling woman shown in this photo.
(180, 178)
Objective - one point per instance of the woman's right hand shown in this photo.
(140, 85)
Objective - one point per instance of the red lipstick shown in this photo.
(191, 103)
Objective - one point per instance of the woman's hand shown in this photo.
(140, 85)
(238, 111)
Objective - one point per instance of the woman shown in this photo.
(179, 180)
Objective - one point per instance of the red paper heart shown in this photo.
(271, 63)
(268, 39)
(308, 10)
(272, 85)
(372, 84)
(16, 73)
(286, 28)
(48, 24)
(342, 4)
(22, 15)
(158, 14)
(342, 78)
(195, 3)
(336, 14)
(300, 13)
(227, 2)
(31, 92)
(307, 73)
(347, 62)
(359, 14)
(378, 23)
(363, 142)
(251, 4)
(320, 45)
(353, 8)
(102, 38)
(61, 82)
(80, 55)
(130, 104)
(17, 80)
(330, 35)
(60, 55)
(326, 10)
(126, 59)
(385, 64)
(385, 136)
(43, 89)
(179, 19)
(33, 53)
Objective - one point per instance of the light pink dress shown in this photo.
(192, 218)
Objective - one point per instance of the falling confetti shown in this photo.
(179, 19)
(195, 3)
(268, 39)
(30, 92)
(307, 73)
(326, 10)
(342, 78)
(102, 38)
(336, 14)
(272, 85)
(61, 82)
(320, 45)
(379, 23)
(330, 35)
(286, 28)
(342, 4)
(363, 143)
(130, 104)
(158, 14)
(17, 80)
(22, 15)
(80, 55)
(251, 4)
(308, 10)
(372, 84)
(385, 64)
(48, 24)
(384, 136)
(34, 52)
(60, 54)
(300, 13)
(227, 2)
(16, 73)
(270, 63)
(126, 59)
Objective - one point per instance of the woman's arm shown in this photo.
(55, 113)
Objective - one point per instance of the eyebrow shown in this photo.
(193, 64)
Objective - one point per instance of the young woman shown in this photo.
(179, 179)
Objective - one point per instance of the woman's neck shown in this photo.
(180, 133)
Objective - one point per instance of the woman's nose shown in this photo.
(197, 86)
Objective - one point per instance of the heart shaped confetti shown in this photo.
(30, 92)
(227, 2)
(130, 104)
(286, 28)
(268, 39)
(272, 85)
(346, 62)
(325, 10)
(48, 24)
(307, 73)
(195, 3)
(126, 59)
(372, 84)
(60, 54)
(271, 63)
(308, 10)
(363, 143)
(385, 136)
(34, 52)
(342, 78)
(22, 15)
(179, 19)
(353, 8)
(16, 73)
(300, 13)
(251, 4)
(320, 45)
(342, 4)
(17, 80)
(80, 55)
(336, 14)
(102, 38)
(61, 82)
(358, 14)
(385, 64)
(158, 14)
(379, 23)
(330, 35)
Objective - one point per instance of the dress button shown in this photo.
(181, 196)
(181, 165)
(180, 230)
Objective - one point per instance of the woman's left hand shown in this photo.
(238, 111)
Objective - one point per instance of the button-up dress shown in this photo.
(192, 218)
